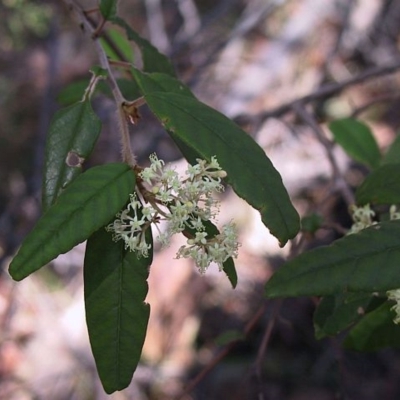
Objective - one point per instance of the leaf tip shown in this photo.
(15, 273)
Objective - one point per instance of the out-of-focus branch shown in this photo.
(264, 344)
(339, 182)
(223, 353)
(88, 25)
(329, 90)
(390, 97)
(191, 19)
(255, 12)
(156, 25)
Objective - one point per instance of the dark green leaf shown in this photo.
(382, 186)
(129, 88)
(392, 155)
(357, 140)
(87, 204)
(74, 92)
(99, 72)
(311, 223)
(72, 136)
(153, 60)
(250, 172)
(230, 271)
(159, 82)
(108, 8)
(336, 313)
(120, 49)
(375, 331)
(367, 261)
(115, 283)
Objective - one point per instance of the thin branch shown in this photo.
(191, 19)
(253, 15)
(346, 11)
(156, 25)
(339, 182)
(222, 354)
(264, 343)
(331, 89)
(88, 26)
(381, 99)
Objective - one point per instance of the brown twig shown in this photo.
(381, 99)
(97, 32)
(329, 90)
(264, 343)
(222, 354)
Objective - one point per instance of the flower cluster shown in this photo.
(186, 204)
(205, 250)
(363, 217)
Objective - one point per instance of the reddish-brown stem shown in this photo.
(222, 354)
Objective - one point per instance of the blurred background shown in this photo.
(250, 59)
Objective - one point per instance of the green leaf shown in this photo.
(153, 60)
(72, 136)
(250, 172)
(129, 88)
(73, 92)
(338, 312)
(230, 271)
(357, 140)
(87, 204)
(160, 82)
(367, 261)
(99, 72)
(108, 8)
(392, 155)
(311, 223)
(375, 331)
(381, 186)
(120, 49)
(202, 132)
(115, 283)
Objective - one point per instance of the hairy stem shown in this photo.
(89, 27)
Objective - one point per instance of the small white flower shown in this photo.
(362, 217)
(148, 213)
(148, 175)
(394, 214)
(197, 224)
(193, 170)
(165, 196)
(156, 164)
(395, 296)
(201, 238)
(131, 242)
(214, 163)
